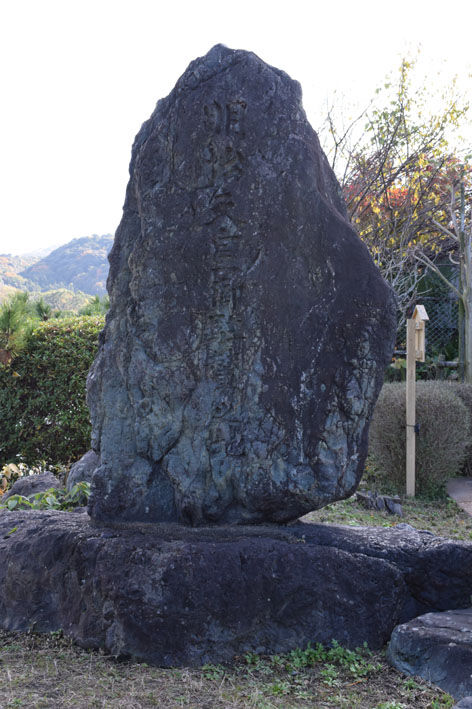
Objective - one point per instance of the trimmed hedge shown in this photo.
(464, 392)
(43, 413)
(441, 445)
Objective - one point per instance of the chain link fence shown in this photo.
(442, 337)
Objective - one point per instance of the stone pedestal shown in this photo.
(173, 596)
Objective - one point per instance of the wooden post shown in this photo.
(415, 351)
(410, 407)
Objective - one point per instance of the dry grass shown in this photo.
(49, 671)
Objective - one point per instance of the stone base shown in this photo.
(437, 647)
(172, 595)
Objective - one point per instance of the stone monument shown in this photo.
(240, 362)
(248, 329)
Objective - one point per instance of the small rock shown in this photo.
(437, 647)
(83, 470)
(382, 503)
(393, 506)
(465, 703)
(378, 503)
(32, 484)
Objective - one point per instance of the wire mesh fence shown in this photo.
(442, 338)
(442, 341)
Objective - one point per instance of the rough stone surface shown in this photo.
(437, 571)
(32, 484)
(465, 703)
(83, 470)
(437, 647)
(248, 329)
(175, 595)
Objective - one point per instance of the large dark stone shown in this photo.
(174, 595)
(249, 328)
(437, 647)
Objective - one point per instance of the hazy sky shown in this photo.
(79, 77)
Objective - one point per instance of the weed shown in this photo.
(444, 702)
(213, 672)
(298, 658)
(258, 664)
(251, 658)
(329, 675)
(280, 688)
(51, 499)
(410, 684)
(277, 661)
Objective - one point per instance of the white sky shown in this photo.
(80, 76)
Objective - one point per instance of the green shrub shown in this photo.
(43, 414)
(440, 446)
(51, 499)
(464, 392)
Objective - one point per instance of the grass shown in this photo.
(443, 517)
(49, 671)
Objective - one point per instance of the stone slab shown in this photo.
(172, 595)
(437, 647)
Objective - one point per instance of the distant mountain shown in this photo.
(40, 253)
(10, 267)
(80, 265)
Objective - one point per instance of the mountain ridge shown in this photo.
(78, 267)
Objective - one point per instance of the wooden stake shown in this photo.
(410, 407)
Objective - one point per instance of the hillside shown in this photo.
(10, 267)
(63, 299)
(80, 265)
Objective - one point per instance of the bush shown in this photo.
(464, 392)
(440, 446)
(43, 413)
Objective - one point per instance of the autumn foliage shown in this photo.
(400, 176)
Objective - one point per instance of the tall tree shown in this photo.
(42, 309)
(13, 315)
(395, 165)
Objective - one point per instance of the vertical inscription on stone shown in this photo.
(224, 165)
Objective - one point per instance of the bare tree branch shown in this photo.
(422, 258)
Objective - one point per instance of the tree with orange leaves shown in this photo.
(401, 181)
